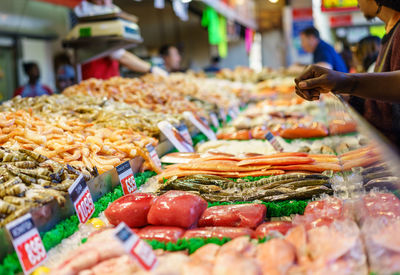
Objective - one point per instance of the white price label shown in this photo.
(175, 137)
(27, 242)
(232, 113)
(274, 142)
(153, 155)
(82, 199)
(200, 124)
(184, 131)
(137, 249)
(214, 120)
(126, 178)
(222, 114)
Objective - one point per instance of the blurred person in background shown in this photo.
(106, 67)
(347, 56)
(65, 72)
(172, 58)
(33, 87)
(214, 65)
(323, 54)
(365, 55)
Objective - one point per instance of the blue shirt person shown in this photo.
(323, 54)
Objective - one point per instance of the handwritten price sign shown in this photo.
(27, 242)
(126, 178)
(137, 249)
(82, 199)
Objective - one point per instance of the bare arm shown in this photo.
(134, 63)
(316, 80)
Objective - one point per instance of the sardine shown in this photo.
(389, 183)
(302, 183)
(377, 175)
(376, 168)
(187, 186)
(301, 193)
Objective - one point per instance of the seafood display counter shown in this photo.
(289, 187)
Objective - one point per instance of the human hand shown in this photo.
(316, 80)
(159, 71)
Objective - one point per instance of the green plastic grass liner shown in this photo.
(192, 244)
(320, 138)
(69, 226)
(275, 209)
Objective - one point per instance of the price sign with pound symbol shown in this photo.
(82, 199)
(126, 178)
(27, 242)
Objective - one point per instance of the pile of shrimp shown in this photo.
(71, 141)
(135, 91)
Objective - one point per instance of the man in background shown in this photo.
(324, 54)
(33, 87)
(172, 58)
(214, 65)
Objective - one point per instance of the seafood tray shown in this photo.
(48, 215)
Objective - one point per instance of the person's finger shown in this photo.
(308, 73)
(304, 94)
(312, 83)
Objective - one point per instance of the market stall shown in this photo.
(103, 179)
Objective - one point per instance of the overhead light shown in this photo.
(186, 1)
(273, 1)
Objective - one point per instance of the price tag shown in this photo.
(126, 178)
(82, 199)
(274, 142)
(183, 130)
(138, 249)
(232, 113)
(153, 154)
(222, 114)
(236, 110)
(27, 242)
(214, 120)
(175, 137)
(200, 124)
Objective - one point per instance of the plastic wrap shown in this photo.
(240, 215)
(161, 233)
(131, 209)
(177, 208)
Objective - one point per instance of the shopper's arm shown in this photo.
(134, 63)
(316, 80)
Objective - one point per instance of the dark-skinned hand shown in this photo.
(316, 80)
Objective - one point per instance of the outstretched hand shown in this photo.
(316, 80)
